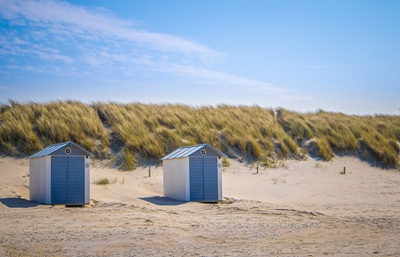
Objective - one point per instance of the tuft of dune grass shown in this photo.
(102, 181)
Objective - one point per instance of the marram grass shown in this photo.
(28, 127)
(141, 130)
(154, 130)
(340, 133)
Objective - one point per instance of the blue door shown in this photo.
(59, 178)
(196, 178)
(203, 179)
(210, 179)
(76, 180)
(68, 180)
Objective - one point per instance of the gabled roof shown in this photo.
(186, 151)
(52, 148)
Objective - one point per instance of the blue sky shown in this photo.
(336, 55)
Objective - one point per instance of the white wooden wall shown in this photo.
(40, 179)
(176, 179)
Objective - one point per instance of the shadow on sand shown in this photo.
(18, 203)
(162, 200)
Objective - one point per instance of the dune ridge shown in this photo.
(127, 134)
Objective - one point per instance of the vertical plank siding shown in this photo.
(203, 179)
(196, 178)
(210, 179)
(59, 178)
(76, 180)
(67, 180)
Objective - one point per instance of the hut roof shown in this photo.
(52, 148)
(186, 151)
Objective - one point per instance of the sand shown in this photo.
(305, 208)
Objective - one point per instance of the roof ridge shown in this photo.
(193, 145)
(185, 151)
(54, 147)
(62, 143)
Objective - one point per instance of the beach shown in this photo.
(300, 208)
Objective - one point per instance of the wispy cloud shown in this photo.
(293, 98)
(60, 38)
(67, 19)
(11, 45)
(223, 78)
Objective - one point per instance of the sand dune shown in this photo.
(305, 208)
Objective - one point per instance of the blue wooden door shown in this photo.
(76, 180)
(59, 178)
(67, 180)
(210, 179)
(203, 179)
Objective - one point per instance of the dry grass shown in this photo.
(225, 164)
(340, 133)
(153, 130)
(106, 181)
(28, 127)
(102, 182)
(128, 160)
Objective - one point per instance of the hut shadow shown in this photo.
(18, 203)
(159, 200)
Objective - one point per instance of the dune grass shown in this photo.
(106, 181)
(128, 160)
(339, 133)
(153, 130)
(28, 127)
(102, 182)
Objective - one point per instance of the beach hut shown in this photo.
(193, 173)
(60, 174)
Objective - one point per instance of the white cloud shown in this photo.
(218, 77)
(292, 98)
(18, 41)
(38, 35)
(80, 21)
(56, 56)
(92, 60)
(69, 38)
(16, 46)
(26, 67)
(115, 57)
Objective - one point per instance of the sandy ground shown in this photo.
(306, 208)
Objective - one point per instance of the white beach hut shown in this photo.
(60, 174)
(193, 173)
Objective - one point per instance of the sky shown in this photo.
(302, 55)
